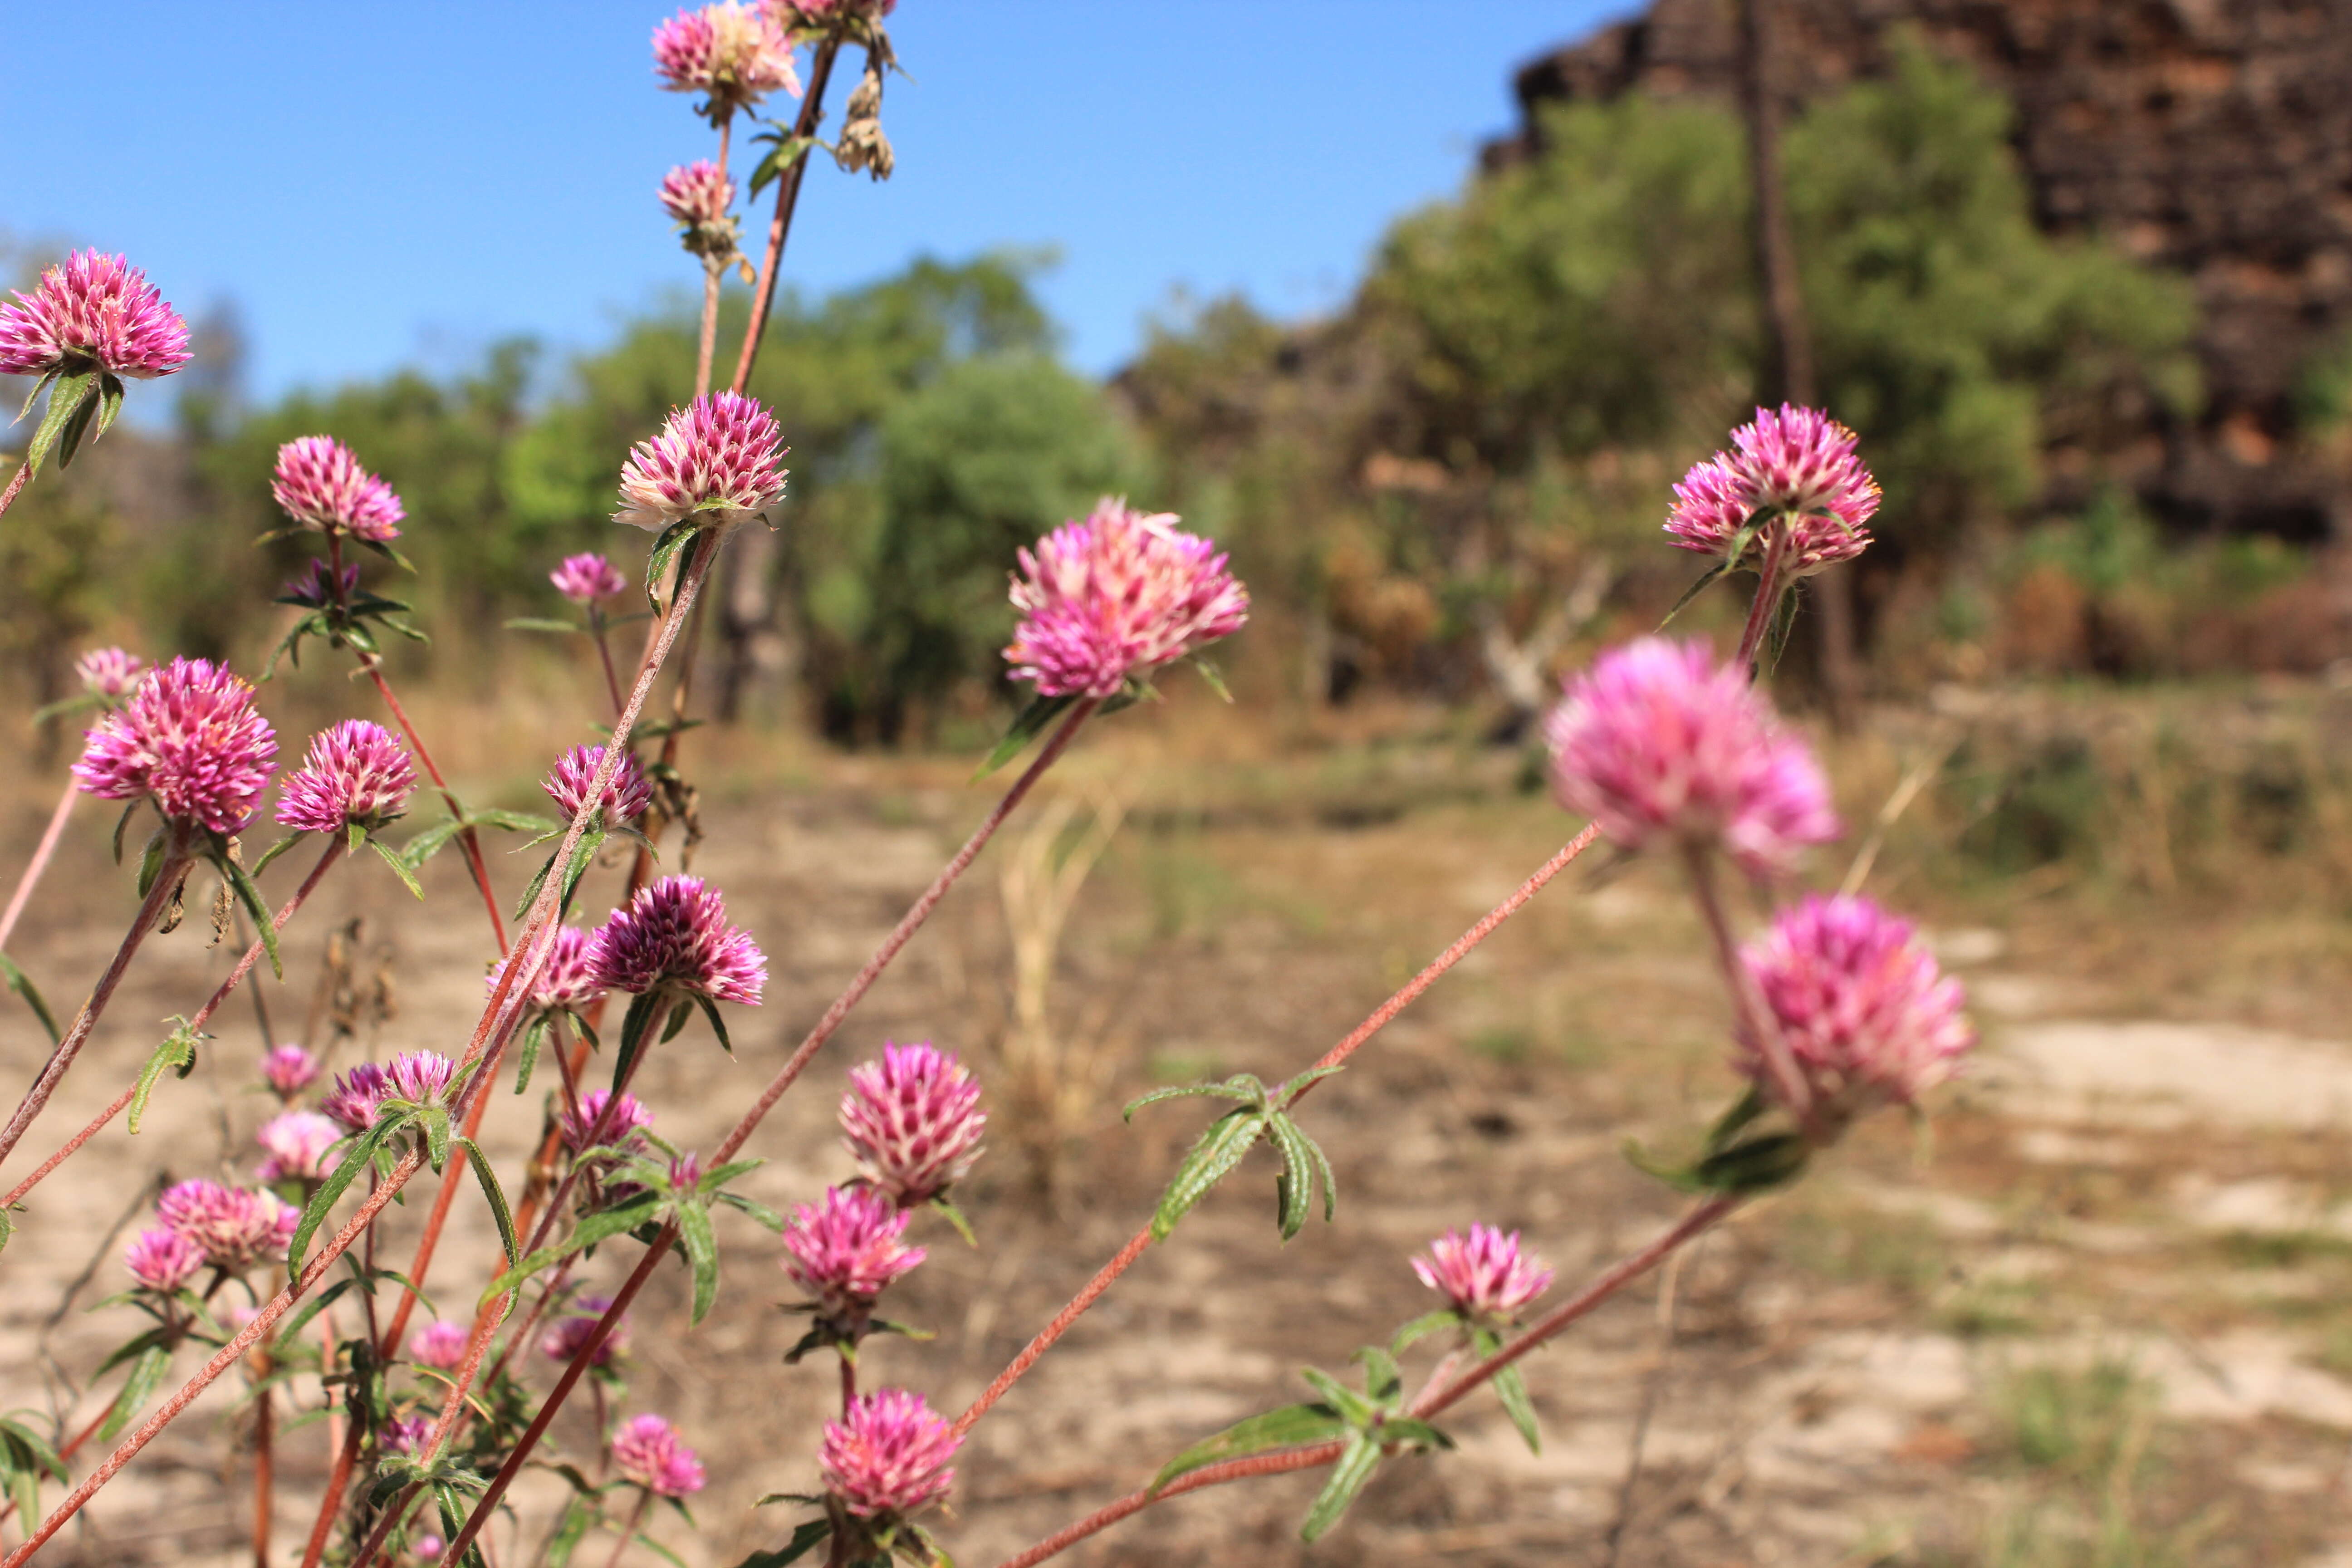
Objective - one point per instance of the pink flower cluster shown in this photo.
(593, 1123)
(93, 311)
(674, 936)
(297, 1142)
(912, 1121)
(421, 1078)
(355, 1097)
(1484, 1274)
(583, 578)
(288, 1069)
(188, 739)
(1117, 595)
(566, 980)
(566, 1336)
(109, 673)
(439, 1344)
(697, 194)
(356, 774)
(624, 800)
(161, 1258)
(1658, 741)
(844, 1249)
(718, 460)
(234, 1228)
(318, 481)
(728, 52)
(405, 1435)
(888, 1454)
(647, 1450)
(1799, 462)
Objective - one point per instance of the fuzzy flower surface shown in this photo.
(93, 311)
(356, 774)
(566, 979)
(888, 1454)
(355, 1096)
(1861, 1003)
(624, 800)
(626, 1118)
(235, 1227)
(1797, 460)
(296, 1142)
(1483, 1273)
(190, 740)
(439, 1344)
(161, 1258)
(912, 1121)
(422, 1077)
(1118, 595)
(729, 52)
(647, 1450)
(585, 578)
(718, 460)
(1659, 742)
(564, 1339)
(288, 1069)
(108, 674)
(319, 481)
(845, 1249)
(674, 936)
(697, 193)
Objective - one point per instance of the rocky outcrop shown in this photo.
(2209, 136)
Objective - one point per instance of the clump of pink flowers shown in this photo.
(716, 461)
(728, 52)
(297, 1144)
(1483, 1273)
(93, 311)
(1797, 461)
(1115, 596)
(190, 740)
(421, 1078)
(674, 936)
(912, 1121)
(566, 979)
(108, 674)
(288, 1069)
(646, 1451)
(593, 1123)
(624, 800)
(318, 481)
(439, 1344)
(161, 1258)
(888, 1454)
(235, 1227)
(844, 1249)
(585, 578)
(356, 774)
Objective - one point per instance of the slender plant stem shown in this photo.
(1756, 1020)
(323, 1528)
(1769, 588)
(788, 195)
(467, 840)
(628, 1531)
(264, 1467)
(604, 656)
(8, 496)
(1381, 1017)
(714, 268)
(31, 876)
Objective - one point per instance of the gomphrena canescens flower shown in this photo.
(674, 936)
(913, 1121)
(718, 460)
(647, 1450)
(1116, 595)
(1657, 741)
(355, 1097)
(728, 52)
(297, 1142)
(318, 586)
(1859, 1003)
(318, 481)
(405, 1435)
(564, 1338)
(697, 193)
(188, 739)
(888, 1454)
(422, 1077)
(235, 1227)
(109, 673)
(567, 979)
(161, 1258)
(93, 311)
(288, 1069)
(440, 1344)
(614, 1128)
(624, 800)
(356, 772)
(1799, 462)
(585, 578)
(844, 1249)
(1483, 1273)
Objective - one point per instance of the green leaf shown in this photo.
(1748, 1107)
(120, 823)
(673, 538)
(146, 1373)
(1420, 1328)
(1213, 676)
(807, 1538)
(634, 1025)
(655, 1547)
(255, 907)
(150, 862)
(23, 987)
(1291, 1426)
(1186, 1091)
(954, 1216)
(1220, 1148)
(430, 842)
(1382, 1381)
(399, 866)
(538, 623)
(109, 401)
(1416, 1433)
(718, 1023)
(1771, 1161)
(1511, 1388)
(600, 1227)
(533, 1038)
(1294, 1188)
(34, 396)
(1694, 590)
(1354, 1407)
(178, 1052)
(62, 705)
(512, 821)
(336, 1181)
(1027, 725)
(583, 854)
(531, 890)
(788, 150)
(1355, 1467)
(275, 850)
(388, 552)
(69, 400)
(497, 1195)
(702, 1248)
(579, 1517)
(300, 1319)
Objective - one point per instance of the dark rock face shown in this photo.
(2209, 136)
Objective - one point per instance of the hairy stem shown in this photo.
(628, 1531)
(8, 496)
(467, 840)
(31, 876)
(264, 1466)
(1755, 1018)
(1768, 588)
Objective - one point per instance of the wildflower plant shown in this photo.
(92, 321)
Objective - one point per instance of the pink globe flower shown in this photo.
(1657, 741)
(108, 674)
(567, 980)
(356, 1096)
(913, 1122)
(288, 1069)
(422, 1077)
(1482, 1274)
(318, 586)
(1116, 595)
(624, 800)
(647, 1450)
(845, 1251)
(729, 52)
(297, 1142)
(235, 1227)
(161, 1258)
(1859, 1004)
(1799, 462)
(318, 481)
(405, 1436)
(674, 936)
(586, 578)
(92, 312)
(717, 461)
(189, 740)
(888, 1454)
(594, 1125)
(697, 194)
(568, 1334)
(439, 1344)
(356, 774)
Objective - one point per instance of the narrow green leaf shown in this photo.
(658, 1549)
(1220, 1148)
(1382, 1381)
(1694, 590)
(1415, 1434)
(634, 1025)
(600, 1227)
(533, 1038)
(69, 398)
(1353, 1405)
(954, 1216)
(1184, 1091)
(1511, 1388)
(1771, 1161)
(146, 1373)
(399, 867)
(539, 624)
(1748, 1107)
(579, 1517)
(1027, 725)
(718, 1023)
(499, 1210)
(531, 893)
(335, 1184)
(1355, 1467)
(178, 1052)
(1420, 1328)
(807, 1538)
(666, 549)
(435, 1125)
(150, 862)
(678, 1014)
(1213, 676)
(256, 908)
(1294, 1188)
(428, 843)
(121, 823)
(1289, 1428)
(22, 985)
(109, 401)
(34, 396)
(300, 1319)
(702, 1248)
(275, 850)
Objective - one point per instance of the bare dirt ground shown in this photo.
(2102, 1320)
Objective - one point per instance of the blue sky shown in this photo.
(377, 185)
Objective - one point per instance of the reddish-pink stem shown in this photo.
(628, 1531)
(604, 656)
(1768, 594)
(8, 496)
(1755, 1018)
(467, 839)
(40, 860)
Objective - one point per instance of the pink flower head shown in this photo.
(1121, 593)
(843, 1249)
(888, 1454)
(646, 1451)
(161, 1258)
(1859, 1002)
(564, 1338)
(624, 800)
(93, 311)
(586, 578)
(109, 673)
(297, 1142)
(913, 1121)
(318, 481)
(428, 1548)
(288, 1069)
(1657, 740)
(593, 1123)
(674, 935)
(405, 1435)
(356, 774)
(235, 1227)
(1484, 1274)
(1799, 462)
(566, 980)
(318, 586)
(718, 460)
(697, 194)
(355, 1097)
(439, 1344)
(190, 740)
(729, 52)
(422, 1077)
